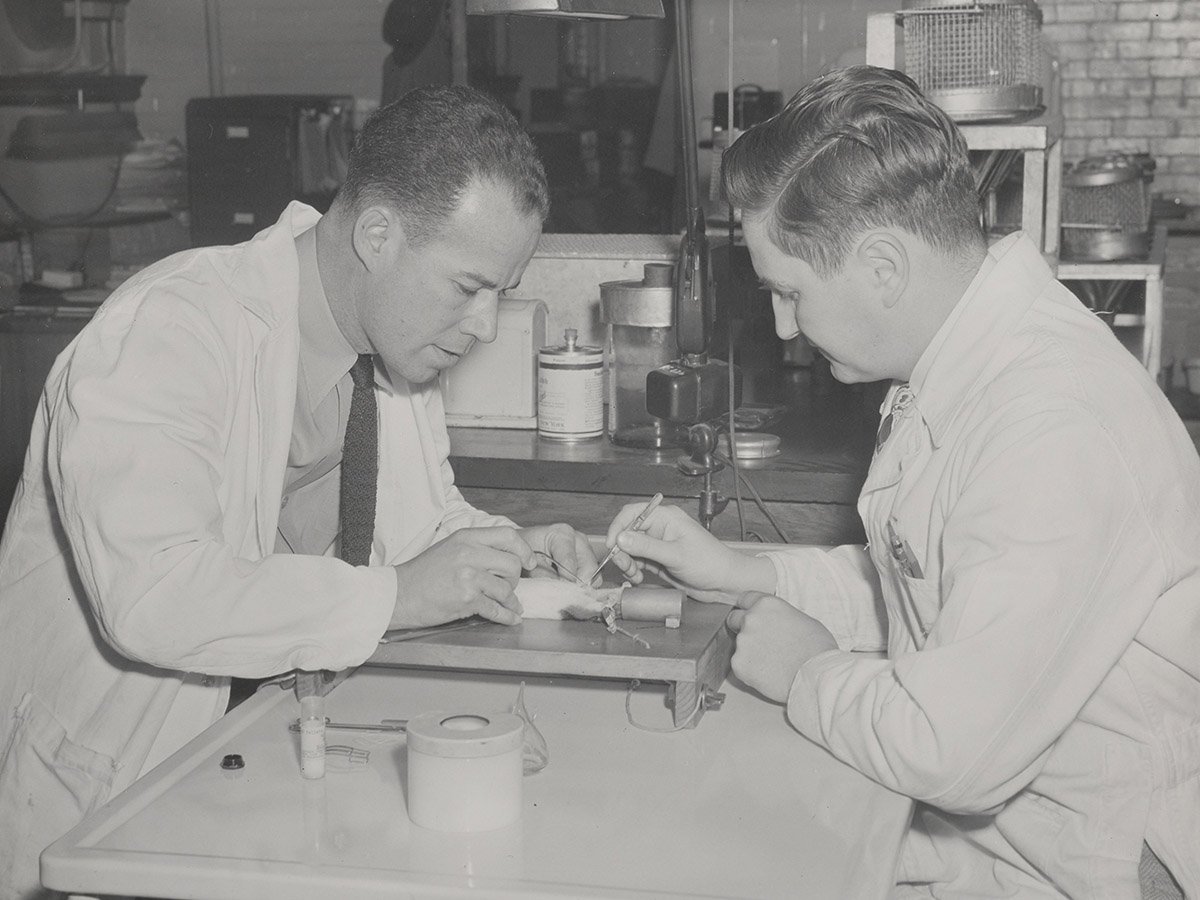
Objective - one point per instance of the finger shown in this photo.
(630, 567)
(585, 559)
(640, 544)
(735, 620)
(497, 612)
(496, 562)
(506, 540)
(750, 598)
(571, 551)
(500, 592)
(623, 520)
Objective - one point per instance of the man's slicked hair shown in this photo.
(420, 153)
(858, 148)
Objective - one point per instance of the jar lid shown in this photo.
(465, 734)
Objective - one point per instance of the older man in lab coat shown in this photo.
(177, 521)
(1032, 513)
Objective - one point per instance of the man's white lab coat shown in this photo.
(1033, 570)
(137, 569)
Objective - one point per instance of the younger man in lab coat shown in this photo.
(177, 521)
(1032, 513)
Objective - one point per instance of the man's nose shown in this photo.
(481, 319)
(785, 317)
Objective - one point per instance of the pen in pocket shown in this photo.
(903, 554)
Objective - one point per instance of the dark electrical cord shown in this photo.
(733, 454)
(757, 497)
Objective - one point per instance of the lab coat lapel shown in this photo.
(268, 282)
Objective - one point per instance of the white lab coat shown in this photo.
(137, 569)
(1041, 690)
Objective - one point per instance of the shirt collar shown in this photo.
(325, 354)
(962, 352)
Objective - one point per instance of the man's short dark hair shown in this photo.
(858, 148)
(420, 153)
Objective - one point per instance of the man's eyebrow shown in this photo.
(478, 279)
(771, 286)
(486, 282)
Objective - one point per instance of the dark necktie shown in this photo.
(360, 466)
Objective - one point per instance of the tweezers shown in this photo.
(410, 634)
(563, 572)
(385, 725)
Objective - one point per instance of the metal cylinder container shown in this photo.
(979, 61)
(570, 390)
(1106, 207)
(638, 316)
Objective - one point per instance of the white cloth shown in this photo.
(137, 569)
(1041, 690)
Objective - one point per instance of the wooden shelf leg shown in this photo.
(1033, 197)
(1152, 327)
(1054, 167)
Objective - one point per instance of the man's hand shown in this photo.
(471, 572)
(679, 546)
(569, 549)
(774, 639)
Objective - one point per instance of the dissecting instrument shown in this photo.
(385, 725)
(635, 525)
(562, 570)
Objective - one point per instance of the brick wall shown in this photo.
(1130, 74)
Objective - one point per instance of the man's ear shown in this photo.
(884, 258)
(378, 237)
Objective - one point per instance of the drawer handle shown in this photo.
(243, 218)
(237, 131)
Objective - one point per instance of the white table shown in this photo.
(740, 806)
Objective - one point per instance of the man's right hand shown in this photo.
(471, 572)
(673, 541)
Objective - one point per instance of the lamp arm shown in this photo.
(693, 293)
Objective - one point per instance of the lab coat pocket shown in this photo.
(924, 597)
(48, 783)
(1034, 825)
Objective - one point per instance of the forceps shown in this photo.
(386, 725)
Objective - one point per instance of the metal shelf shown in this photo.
(1149, 270)
(1038, 140)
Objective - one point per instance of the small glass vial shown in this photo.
(312, 737)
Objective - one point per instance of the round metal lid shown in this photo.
(1112, 168)
(751, 445)
(465, 734)
(571, 349)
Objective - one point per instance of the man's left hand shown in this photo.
(774, 639)
(569, 549)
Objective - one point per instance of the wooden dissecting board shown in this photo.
(693, 659)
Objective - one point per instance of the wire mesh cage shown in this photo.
(978, 61)
(1106, 207)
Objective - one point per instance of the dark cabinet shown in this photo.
(249, 156)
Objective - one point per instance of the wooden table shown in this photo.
(740, 807)
(811, 487)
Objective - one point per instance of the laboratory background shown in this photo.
(131, 129)
(172, 124)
